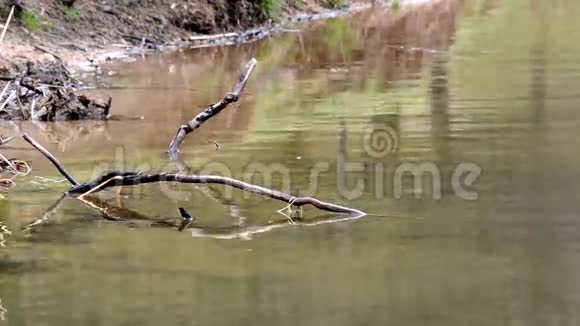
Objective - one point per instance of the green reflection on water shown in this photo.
(485, 82)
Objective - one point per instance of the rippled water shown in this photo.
(484, 86)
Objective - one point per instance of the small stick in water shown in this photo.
(187, 219)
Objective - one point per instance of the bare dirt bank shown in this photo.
(46, 31)
(48, 42)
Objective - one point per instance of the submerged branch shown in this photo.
(213, 110)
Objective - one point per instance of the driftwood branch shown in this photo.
(116, 179)
(213, 110)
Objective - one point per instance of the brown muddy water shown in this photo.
(483, 96)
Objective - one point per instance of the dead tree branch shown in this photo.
(116, 179)
(213, 110)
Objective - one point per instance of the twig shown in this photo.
(32, 88)
(5, 89)
(23, 84)
(52, 159)
(6, 140)
(212, 110)
(99, 186)
(8, 163)
(116, 179)
(6, 27)
(8, 99)
(15, 166)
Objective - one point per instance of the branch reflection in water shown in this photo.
(132, 218)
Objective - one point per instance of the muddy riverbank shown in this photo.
(89, 32)
(48, 45)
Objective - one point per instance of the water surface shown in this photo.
(491, 84)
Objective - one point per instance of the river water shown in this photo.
(453, 126)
